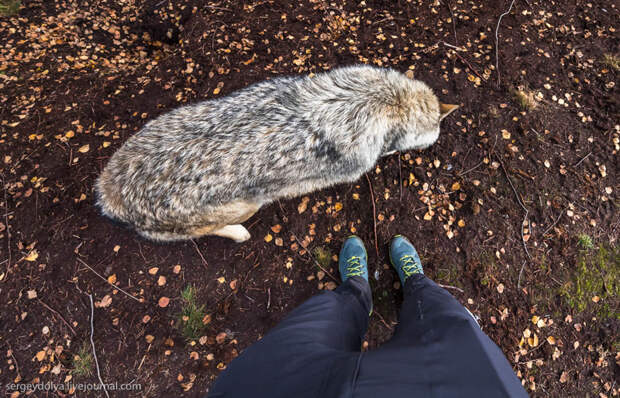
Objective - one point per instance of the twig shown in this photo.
(582, 159)
(218, 8)
(400, 177)
(451, 287)
(108, 282)
(497, 40)
(268, 297)
(382, 320)
(522, 206)
(374, 212)
(204, 262)
(57, 313)
(453, 46)
(554, 223)
(520, 273)
(470, 170)
(470, 66)
(92, 343)
(8, 230)
(315, 260)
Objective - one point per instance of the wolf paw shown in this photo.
(242, 235)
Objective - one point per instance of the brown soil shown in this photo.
(77, 79)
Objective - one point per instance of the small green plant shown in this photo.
(192, 315)
(323, 256)
(525, 98)
(611, 61)
(585, 241)
(83, 362)
(9, 7)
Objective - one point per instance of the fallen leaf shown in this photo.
(221, 337)
(84, 148)
(164, 301)
(105, 302)
(32, 256)
(303, 205)
(112, 279)
(40, 355)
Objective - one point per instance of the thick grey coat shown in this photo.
(205, 168)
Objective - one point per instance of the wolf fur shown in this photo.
(205, 168)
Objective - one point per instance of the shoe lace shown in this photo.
(354, 267)
(409, 265)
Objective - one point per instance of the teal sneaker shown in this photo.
(353, 260)
(404, 258)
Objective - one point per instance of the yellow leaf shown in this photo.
(32, 256)
(112, 278)
(456, 186)
(268, 238)
(84, 148)
(40, 356)
(338, 206)
(551, 340)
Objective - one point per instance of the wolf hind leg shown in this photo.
(236, 232)
(226, 221)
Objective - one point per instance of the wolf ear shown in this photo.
(446, 109)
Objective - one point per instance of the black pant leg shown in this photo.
(424, 298)
(296, 358)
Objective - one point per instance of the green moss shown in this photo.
(323, 256)
(595, 275)
(611, 61)
(449, 275)
(9, 7)
(585, 242)
(83, 361)
(192, 315)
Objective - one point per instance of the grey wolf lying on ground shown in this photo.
(203, 169)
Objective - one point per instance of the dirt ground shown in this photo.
(514, 209)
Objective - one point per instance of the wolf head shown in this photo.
(419, 114)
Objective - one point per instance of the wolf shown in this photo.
(205, 168)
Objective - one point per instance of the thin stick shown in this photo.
(268, 297)
(453, 46)
(400, 177)
(451, 287)
(315, 260)
(470, 170)
(553, 225)
(108, 282)
(92, 343)
(374, 212)
(8, 231)
(469, 65)
(582, 159)
(57, 313)
(522, 206)
(520, 273)
(204, 262)
(382, 320)
(497, 40)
